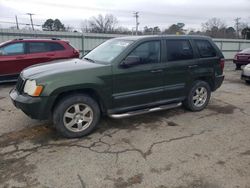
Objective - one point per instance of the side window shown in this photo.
(148, 52)
(55, 46)
(38, 47)
(205, 48)
(179, 50)
(12, 49)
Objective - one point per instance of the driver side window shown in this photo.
(148, 52)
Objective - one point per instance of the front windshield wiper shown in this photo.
(88, 59)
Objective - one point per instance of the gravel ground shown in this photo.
(168, 149)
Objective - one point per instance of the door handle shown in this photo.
(192, 66)
(156, 71)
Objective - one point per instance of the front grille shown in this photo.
(20, 84)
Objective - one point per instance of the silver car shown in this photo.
(246, 74)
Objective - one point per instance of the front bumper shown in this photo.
(244, 77)
(218, 81)
(34, 107)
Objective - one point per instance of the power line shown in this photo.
(14, 23)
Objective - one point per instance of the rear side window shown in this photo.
(12, 49)
(38, 47)
(179, 50)
(55, 46)
(148, 52)
(205, 48)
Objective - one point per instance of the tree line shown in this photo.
(214, 27)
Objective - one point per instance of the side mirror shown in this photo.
(130, 61)
(1, 52)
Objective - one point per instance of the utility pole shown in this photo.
(31, 21)
(17, 26)
(136, 15)
(237, 23)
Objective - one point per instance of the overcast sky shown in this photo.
(160, 13)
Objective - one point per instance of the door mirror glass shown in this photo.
(130, 61)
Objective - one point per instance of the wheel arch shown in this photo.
(87, 91)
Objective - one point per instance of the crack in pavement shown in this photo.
(82, 182)
(108, 150)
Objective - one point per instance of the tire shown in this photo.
(247, 81)
(202, 95)
(76, 115)
(238, 67)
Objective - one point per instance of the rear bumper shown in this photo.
(34, 107)
(218, 81)
(241, 62)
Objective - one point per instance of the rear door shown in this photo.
(38, 52)
(208, 59)
(178, 61)
(12, 57)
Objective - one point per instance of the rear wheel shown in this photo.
(198, 96)
(76, 116)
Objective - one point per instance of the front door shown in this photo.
(140, 83)
(12, 57)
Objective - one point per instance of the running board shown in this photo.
(146, 110)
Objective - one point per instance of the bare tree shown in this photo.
(214, 27)
(85, 26)
(103, 24)
(213, 23)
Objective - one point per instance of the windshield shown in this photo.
(108, 50)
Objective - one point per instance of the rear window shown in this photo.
(205, 48)
(246, 50)
(179, 50)
(55, 46)
(39, 47)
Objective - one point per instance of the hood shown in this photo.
(59, 66)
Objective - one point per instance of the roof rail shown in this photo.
(55, 38)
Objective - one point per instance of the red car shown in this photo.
(242, 58)
(15, 55)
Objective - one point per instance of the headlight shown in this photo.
(32, 89)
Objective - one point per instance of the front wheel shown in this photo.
(76, 115)
(247, 81)
(198, 96)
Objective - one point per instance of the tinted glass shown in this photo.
(38, 47)
(148, 52)
(205, 48)
(12, 49)
(179, 50)
(55, 46)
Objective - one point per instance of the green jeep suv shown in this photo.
(121, 77)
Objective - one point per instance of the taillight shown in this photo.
(76, 51)
(236, 57)
(222, 63)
